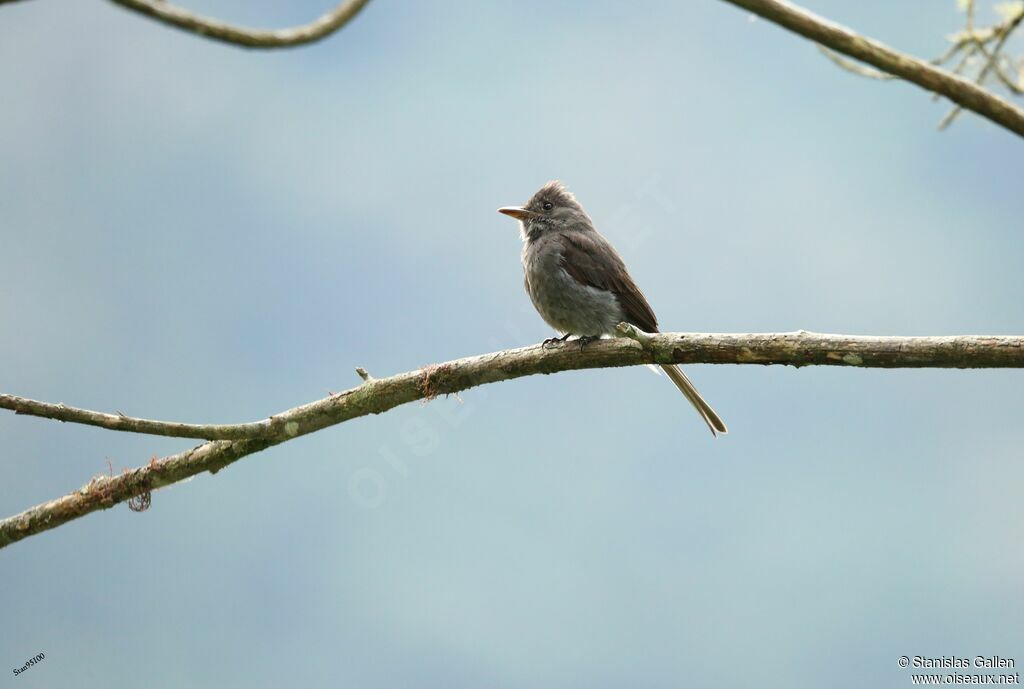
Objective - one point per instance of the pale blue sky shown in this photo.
(201, 233)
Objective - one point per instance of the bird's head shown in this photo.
(553, 207)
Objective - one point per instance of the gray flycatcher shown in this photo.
(579, 284)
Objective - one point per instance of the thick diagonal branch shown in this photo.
(961, 91)
(180, 18)
(376, 395)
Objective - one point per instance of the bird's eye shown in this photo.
(548, 205)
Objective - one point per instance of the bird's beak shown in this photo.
(517, 212)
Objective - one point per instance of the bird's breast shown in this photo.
(565, 304)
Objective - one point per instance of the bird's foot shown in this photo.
(554, 341)
(584, 340)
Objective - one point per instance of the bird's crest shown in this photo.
(555, 192)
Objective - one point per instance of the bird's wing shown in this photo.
(591, 260)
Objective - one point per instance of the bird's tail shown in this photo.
(686, 387)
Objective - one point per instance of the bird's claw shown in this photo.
(553, 341)
(584, 340)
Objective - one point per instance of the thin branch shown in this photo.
(1003, 33)
(377, 395)
(841, 39)
(1005, 79)
(953, 49)
(217, 30)
(121, 422)
(855, 67)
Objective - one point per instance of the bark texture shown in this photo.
(377, 395)
(961, 91)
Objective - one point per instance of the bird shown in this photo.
(579, 284)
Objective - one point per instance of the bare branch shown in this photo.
(855, 67)
(1005, 79)
(928, 76)
(1001, 33)
(377, 395)
(217, 30)
(121, 422)
(268, 427)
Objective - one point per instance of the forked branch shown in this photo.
(965, 93)
(377, 395)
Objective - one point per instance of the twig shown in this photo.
(120, 422)
(375, 396)
(1003, 32)
(855, 67)
(1005, 79)
(928, 76)
(217, 30)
